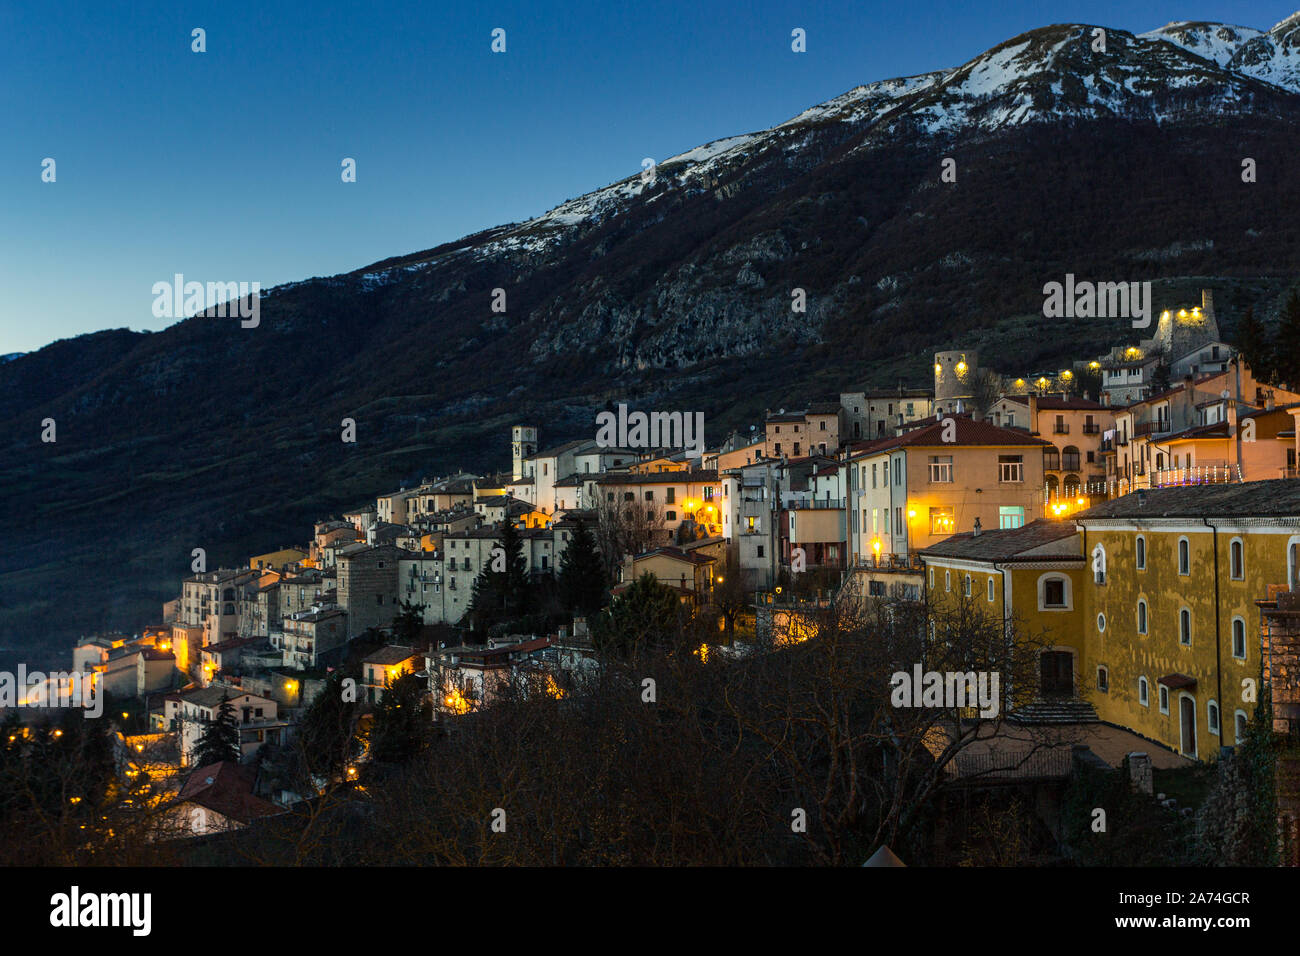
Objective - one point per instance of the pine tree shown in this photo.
(1253, 342)
(582, 574)
(502, 591)
(648, 615)
(403, 721)
(220, 739)
(408, 622)
(1286, 344)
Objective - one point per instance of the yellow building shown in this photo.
(1033, 577)
(277, 560)
(1149, 608)
(1174, 622)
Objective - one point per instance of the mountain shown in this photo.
(669, 291)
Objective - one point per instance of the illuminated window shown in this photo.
(1011, 516)
(941, 520)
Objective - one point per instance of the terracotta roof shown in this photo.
(1048, 402)
(390, 654)
(226, 788)
(679, 554)
(1278, 497)
(657, 477)
(967, 432)
(1009, 544)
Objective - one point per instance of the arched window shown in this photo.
(1239, 638)
(1237, 560)
(1144, 692)
(1212, 716)
(1103, 680)
(932, 579)
(1184, 556)
(1141, 553)
(1185, 626)
(965, 586)
(1142, 617)
(947, 580)
(1164, 699)
(1239, 723)
(990, 590)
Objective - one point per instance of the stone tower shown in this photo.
(954, 373)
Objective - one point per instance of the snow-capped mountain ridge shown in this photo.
(1182, 70)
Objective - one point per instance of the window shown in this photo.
(1011, 468)
(1239, 638)
(1185, 627)
(898, 471)
(947, 580)
(941, 520)
(1099, 564)
(1164, 699)
(1103, 680)
(990, 590)
(1054, 592)
(629, 496)
(1101, 623)
(1184, 556)
(1011, 516)
(932, 579)
(671, 494)
(965, 588)
(650, 495)
(1212, 716)
(1237, 560)
(1142, 617)
(1144, 692)
(941, 468)
(1141, 553)
(759, 551)
(1239, 725)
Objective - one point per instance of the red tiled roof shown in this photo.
(226, 788)
(967, 432)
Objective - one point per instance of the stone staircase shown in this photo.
(1063, 710)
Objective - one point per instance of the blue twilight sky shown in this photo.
(225, 165)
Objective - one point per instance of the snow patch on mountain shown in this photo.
(1214, 41)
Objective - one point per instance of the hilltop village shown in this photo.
(1150, 533)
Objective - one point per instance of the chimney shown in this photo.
(976, 533)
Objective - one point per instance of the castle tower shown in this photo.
(523, 444)
(954, 373)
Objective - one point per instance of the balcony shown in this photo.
(1061, 428)
(1156, 427)
(1203, 473)
(1091, 428)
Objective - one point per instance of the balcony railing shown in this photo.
(1091, 428)
(1060, 428)
(1151, 428)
